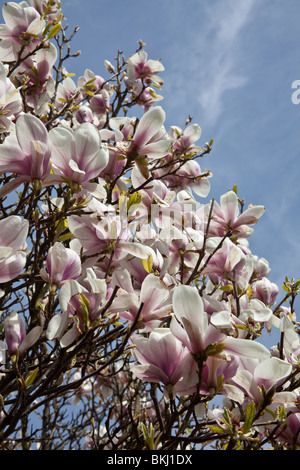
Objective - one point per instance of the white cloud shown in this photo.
(222, 52)
(211, 55)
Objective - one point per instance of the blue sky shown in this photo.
(229, 64)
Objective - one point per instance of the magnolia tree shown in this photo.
(132, 307)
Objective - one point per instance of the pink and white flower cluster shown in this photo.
(140, 244)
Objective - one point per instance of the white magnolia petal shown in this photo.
(135, 249)
(202, 188)
(272, 369)
(69, 337)
(150, 123)
(30, 339)
(229, 205)
(247, 347)
(57, 326)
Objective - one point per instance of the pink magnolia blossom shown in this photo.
(81, 304)
(78, 157)
(140, 67)
(93, 289)
(10, 101)
(15, 334)
(161, 357)
(227, 215)
(252, 312)
(145, 97)
(93, 83)
(190, 323)
(62, 264)
(100, 103)
(84, 114)
(152, 303)
(150, 138)
(255, 374)
(215, 377)
(38, 70)
(13, 234)
(291, 341)
(184, 177)
(291, 433)
(183, 140)
(22, 22)
(105, 233)
(117, 138)
(67, 91)
(26, 153)
(44, 7)
(265, 290)
(227, 261)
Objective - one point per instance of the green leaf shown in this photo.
(31, 377)
(66, 237)
(220, 383)
(148, 264)
(216, 429)
(249, 416)
(135, 198)
(227, 288)
(54, 31)
(214, 348)
(85, 304)
(227, 419)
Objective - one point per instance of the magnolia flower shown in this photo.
(252, 312)
(227, 259)
(190, 324)
(99, 103)
(26, 153)
(183, 140)
(13, 234)
(152, 304)
(84, 114)
(67, 91)
(62, 264)
(291, 341)
(149, 138)
(23, 22)
(10, 101)
(227, 215)
(15, 334)
(184, 177)
(161, 357)
(291, 433)
(215, 375)
(140, 67)
(81, 304)
(36, 71)
(105, 233)
(93, 83)
(51, 9)
(77, 155)
(266, 373)
(91, 291)
(265, 290)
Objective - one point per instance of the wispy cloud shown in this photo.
(222, 38)
(212, 53)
